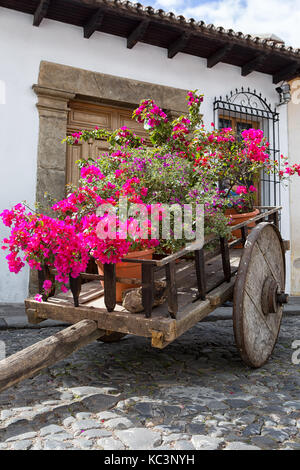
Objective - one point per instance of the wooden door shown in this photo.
(87, 116)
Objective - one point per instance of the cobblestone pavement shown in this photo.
(195, 394)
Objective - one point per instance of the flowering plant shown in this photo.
(185, 164)
(163, 173)
(235, 164)
(38, 240)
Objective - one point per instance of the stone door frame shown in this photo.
(57, 86)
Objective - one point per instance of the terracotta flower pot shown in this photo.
(239, 218)
(128, 270)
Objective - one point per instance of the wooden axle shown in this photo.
(45, 353)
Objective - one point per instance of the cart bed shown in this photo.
(160, 327)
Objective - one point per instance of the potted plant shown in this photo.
(163, 173)
(233, 164)
(185, 164)
(43, 243)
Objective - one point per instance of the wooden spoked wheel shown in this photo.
(112, 337)
(259, 295)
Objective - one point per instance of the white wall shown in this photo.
(294, 145)
(22, 49)
(285, 195)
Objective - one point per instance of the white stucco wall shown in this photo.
(22, 49)
(294, 147)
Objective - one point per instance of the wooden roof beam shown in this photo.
(137, 34)
(217, 56)
(179, 45)
(41, 12)
(286, 73)
(253, 64)
(93, 24)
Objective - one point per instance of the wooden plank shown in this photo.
(33, 317)
(179, 254)
(199, 310)
(110, 286)
(47, 352)
(172, 290)
(225, 259)
(194, 246)
(137, 34)
(194, 313)
(158, 340)
(286, 73)
(253, 64)
(137, 324)
(93, 24)
(183, 268)
(89, 291)
(125, 322)
(187, 287)
(186, 281)
(147, 288)
(41, 12)
(200, 273)
(257, 218)
(75, 287)
(222, 293)
(275, 219)
(121, 321)
(100, 277)
(179, 45)
(217, 57)
(244, 231)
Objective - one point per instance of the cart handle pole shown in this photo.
(45, 353)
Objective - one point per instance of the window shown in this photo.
(245, 109)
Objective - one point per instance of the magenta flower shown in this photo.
(241, 190)
(47, 285)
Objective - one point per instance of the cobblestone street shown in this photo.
(195, 394)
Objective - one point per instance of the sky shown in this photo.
(281, 17)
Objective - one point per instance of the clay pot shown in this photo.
(238, 219)
(128, 270)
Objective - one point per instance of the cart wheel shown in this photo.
(259, 295)
(112, 337)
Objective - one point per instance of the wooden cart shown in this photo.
(198, 281)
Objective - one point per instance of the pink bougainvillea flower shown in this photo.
(241, 190)
(47, 285)
(91, 172)
(38, 298)
(144, 191)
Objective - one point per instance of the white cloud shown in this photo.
(249, 16)
(169, 4)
